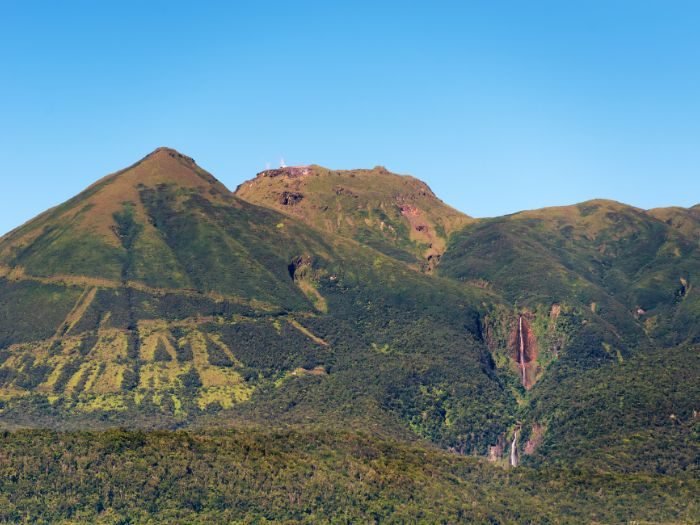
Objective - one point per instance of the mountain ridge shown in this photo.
(356, 309)
(193, 299)
(162, 152)
(311, 296)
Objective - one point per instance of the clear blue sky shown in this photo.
(498, 105)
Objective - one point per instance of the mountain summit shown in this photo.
(398, 215)
(86, 235)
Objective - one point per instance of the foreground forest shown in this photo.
(308, 476)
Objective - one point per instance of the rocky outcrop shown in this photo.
(299, 266)
(682, 290)
(536, 437)
(496, 451)
(431, 262)
(523, 342)
(409, 211)
(340, 190)
(289, 171)
(555, 312)
(290, 198)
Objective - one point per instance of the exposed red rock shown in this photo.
(536, 437)
(289, 171)
(496, 451)
(409, 211)
(524, 351)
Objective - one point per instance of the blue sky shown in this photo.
(498, 105)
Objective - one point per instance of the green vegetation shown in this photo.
(635, 416)
(397, 215)
(622, 264)
(327, 369)
(245, 338)
(305, 476)
(21, 301)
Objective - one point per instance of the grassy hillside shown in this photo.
(397, 215)
(206, 307)
(631, 269)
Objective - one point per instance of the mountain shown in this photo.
(587, 301)
(604, 294)
(631, 271)
(144, 227)
(315, 315)
(396, 214)
(157, 298)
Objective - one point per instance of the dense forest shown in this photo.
(306, 476)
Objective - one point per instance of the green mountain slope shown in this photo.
(141, 228)
(578, 292)
(603, 297)
(624, 264)
(164, 300)
(639, 415)
(316, 316)
(397, 215)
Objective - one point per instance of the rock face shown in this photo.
(536, 437)
(496, 451)
(291, 172)
(298, 266)
(290, 198)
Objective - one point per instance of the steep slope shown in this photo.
(85, 236)
(131, 227)
(602, 295)
(157, 298)
(637, 415)
(397, 215)
(686, 220)
(632, 269)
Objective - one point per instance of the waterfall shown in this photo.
(521, 354)
(514, 450)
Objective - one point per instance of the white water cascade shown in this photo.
(514, 450)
